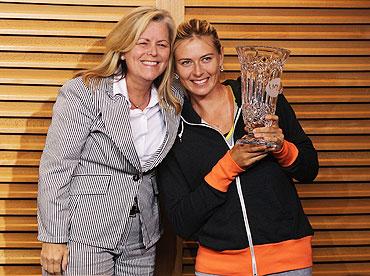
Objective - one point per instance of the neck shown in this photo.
(216, 108)
(138, 93)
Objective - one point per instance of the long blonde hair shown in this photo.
(122, 38)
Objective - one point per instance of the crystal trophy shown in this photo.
(261, 70)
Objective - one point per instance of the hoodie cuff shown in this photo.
(223, 173)
(287, 154)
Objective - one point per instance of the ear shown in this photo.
(222, 56)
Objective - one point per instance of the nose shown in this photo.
(198, 70)
(152, 50)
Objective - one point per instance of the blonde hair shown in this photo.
(197, 28)
(122, 38)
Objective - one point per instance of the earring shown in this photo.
(123, 57)
(221, 67)
(176, 76)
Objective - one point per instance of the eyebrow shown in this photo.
(209, 54)
(147, 39)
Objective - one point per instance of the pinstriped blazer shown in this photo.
(89, 171)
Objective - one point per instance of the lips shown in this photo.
(149, 63)
(200, 82)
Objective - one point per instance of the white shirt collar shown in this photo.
(120, 87)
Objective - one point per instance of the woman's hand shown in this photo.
(54, 257)
(246, 154)
(271, 134)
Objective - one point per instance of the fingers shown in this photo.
(65, 260)
(54, 258)
(246, 154)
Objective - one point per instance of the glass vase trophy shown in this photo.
(261, 70)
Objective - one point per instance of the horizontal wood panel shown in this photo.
(18, 174)
(28, 93)
(327, 94)
(344, 158)
(302, 48)
(26, 109)
(340, 222)
(293, 63)
(34, 76)
(20, 158)
(294, 31)
(24, 125)
(19, 240)
(226, 31)
(29, 270)
(342, 269)
(55, 28)
(59, 12)
(331, 111)
(336, 206)
(280, 16)
(333, 190)
(335, 238)
(14, 190)
(18, 223)
(51, 44)
(336, 126)
(279, 3)
(347, 142)
(90, 2)
(19, 256)
(314, 79)
(344, 174)
(22, 142)
(341, 254)
(39, 60)
(17, 207)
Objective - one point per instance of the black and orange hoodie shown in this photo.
(197, 181)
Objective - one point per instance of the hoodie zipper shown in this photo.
(238, 187)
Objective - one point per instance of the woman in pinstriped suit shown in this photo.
(111, 126)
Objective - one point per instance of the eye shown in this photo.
(207, 59)
(142, 42)
(163, 45)
(185, 62)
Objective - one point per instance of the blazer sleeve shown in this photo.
(72, 116)
(305, 167)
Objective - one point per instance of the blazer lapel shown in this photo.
(171, 123)
(116, 117)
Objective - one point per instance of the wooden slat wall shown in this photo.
(327, 81)
(42, 44)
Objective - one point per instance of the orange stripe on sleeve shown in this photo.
(223, 173)
(287, 154)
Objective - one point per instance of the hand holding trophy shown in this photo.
(261, 70)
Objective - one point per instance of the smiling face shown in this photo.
(149, 57)
(198, 65)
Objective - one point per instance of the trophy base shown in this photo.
(256, 141)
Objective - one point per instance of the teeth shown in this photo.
(200, 81)
(150, 63)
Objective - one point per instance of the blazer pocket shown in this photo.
(89, 184)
